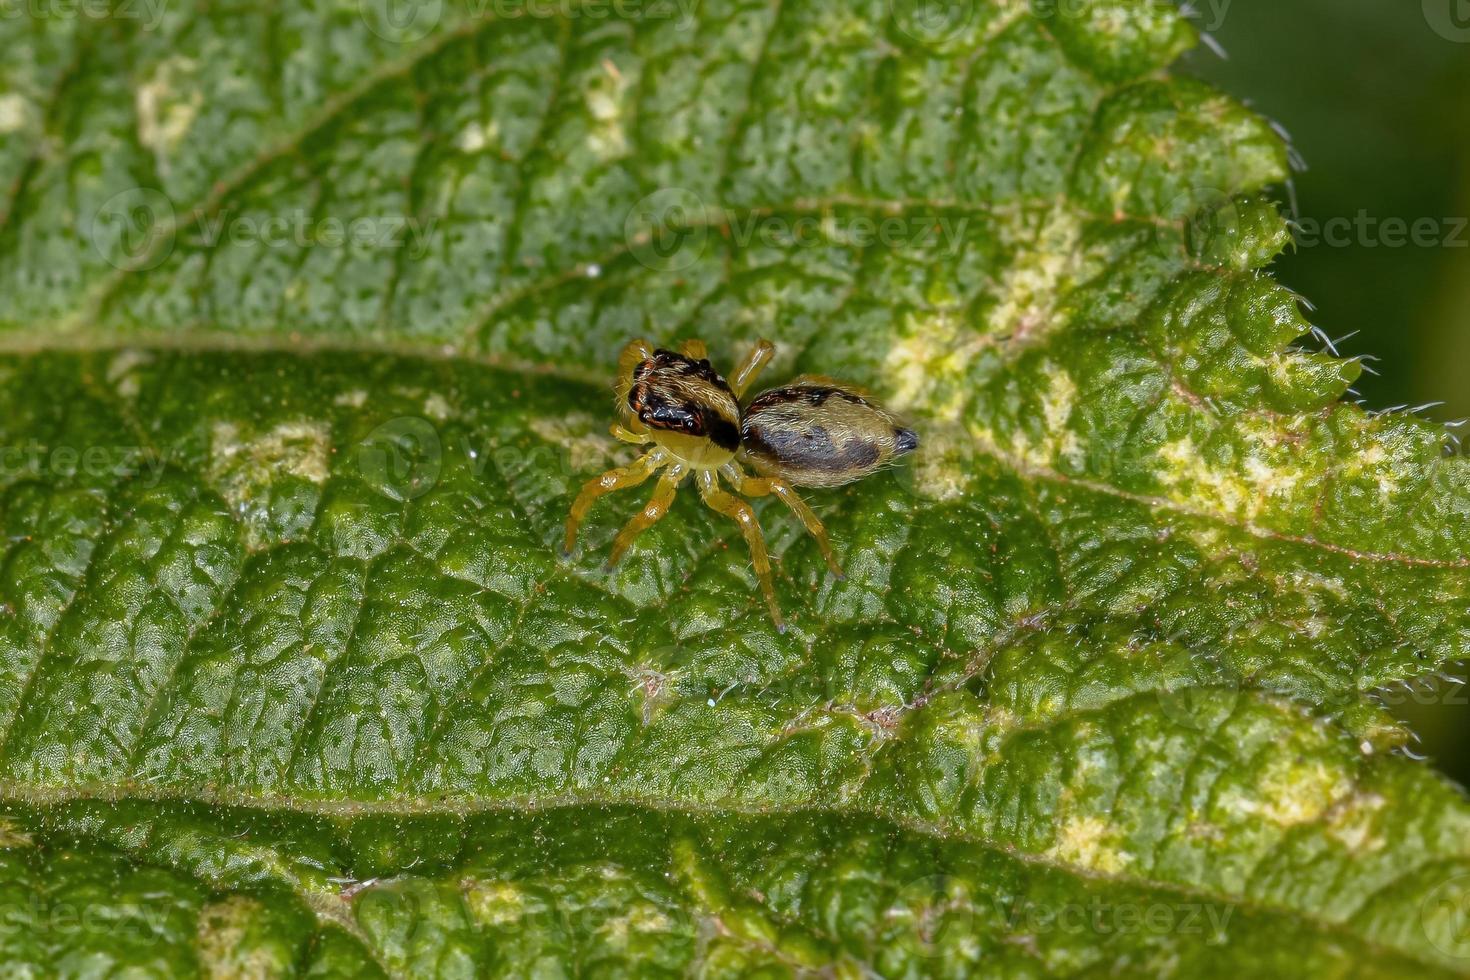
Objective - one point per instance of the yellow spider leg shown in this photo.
(652, 513)
(744, 374)
(694, 349)
(635, 353)
(739, 511)
(760, 486)
(615, 479)
(627, 435)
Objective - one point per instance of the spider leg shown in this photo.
(624, 434)
(761, 486)
(739, 511)
(615, 479)
(652, 513)
(744, 374)
(694, 349)
(635, 353)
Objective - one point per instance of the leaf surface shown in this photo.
(292, 679)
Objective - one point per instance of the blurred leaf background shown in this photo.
(1376, 97)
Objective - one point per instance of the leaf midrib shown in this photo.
(39, 797)
(222, 343)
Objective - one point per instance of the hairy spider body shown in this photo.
(813, 432)
(817, 432)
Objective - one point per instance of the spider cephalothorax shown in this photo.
(679, 395)
(813, 432)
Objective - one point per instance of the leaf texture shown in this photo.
(293, 680)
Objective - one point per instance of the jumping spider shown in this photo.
(813, 432)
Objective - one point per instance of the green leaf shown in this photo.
(309, 317)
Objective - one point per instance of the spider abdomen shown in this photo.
(818, 434)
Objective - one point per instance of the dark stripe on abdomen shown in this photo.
(810, 448)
